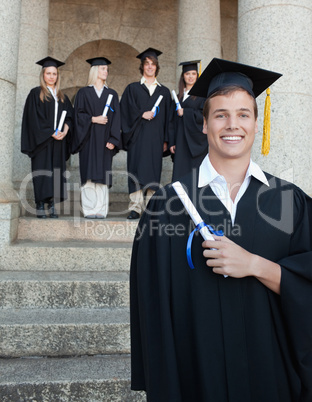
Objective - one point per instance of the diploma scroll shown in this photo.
(61, 122)
(108, 102)
(157, 104)
(192, 211)
(176, 100)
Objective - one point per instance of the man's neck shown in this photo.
(233, 170)
(149, 80)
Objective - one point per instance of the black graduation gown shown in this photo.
(95, 159)
(186, 133)
(197, 336)
(47, 154)
(144, 139)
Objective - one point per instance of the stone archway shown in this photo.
(123, 70)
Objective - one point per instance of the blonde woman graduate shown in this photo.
(97, 138)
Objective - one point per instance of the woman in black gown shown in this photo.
(43, 140)
(96, 138)
(188, 145)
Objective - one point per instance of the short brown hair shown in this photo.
(227, 91)
(154, 60)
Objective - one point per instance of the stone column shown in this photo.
(278, 36)
(33, 47)
(199, 31)
(9, 33)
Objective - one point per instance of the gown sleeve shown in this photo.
(115, 134)
(296, 292)
(37, 127)
(153, 358)
(193, 128)
(82, 122)
(131, 115)
(173, 116)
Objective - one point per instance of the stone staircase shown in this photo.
(64, 311)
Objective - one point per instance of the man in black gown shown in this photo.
(195, 334)
(144, 131)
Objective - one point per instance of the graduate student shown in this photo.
(187, 142)
(197, 335)
(96, 138)
(144, 131)
(43, 141)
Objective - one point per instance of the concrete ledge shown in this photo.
(64, 229)
(65, 256)
(64, 332)
(63, 289)
(84, 379)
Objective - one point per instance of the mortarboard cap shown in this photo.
(50, 62)
(220, 74)
(189, 65)
(223, 73)
(98, 61)
(149, 52)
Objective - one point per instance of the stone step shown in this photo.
(64, 332)
(118, 204)
(80, 379)
(27, 289)
(26, 255)
(68, 228)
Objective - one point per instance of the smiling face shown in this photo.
(231, 126)
(50, 76)
(149, 68)
(190, 78)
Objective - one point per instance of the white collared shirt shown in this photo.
(99, 91)
(53, 93)
(151, 87)
(209, 176)
(185, 95)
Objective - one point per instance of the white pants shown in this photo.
(137, 202)
(94, 199)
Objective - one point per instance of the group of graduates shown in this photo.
(147, 123)
(237, 326)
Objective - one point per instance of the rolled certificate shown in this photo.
(176, 100)
(192, 211)
(61, 122)
(157, 103)
(108, 102)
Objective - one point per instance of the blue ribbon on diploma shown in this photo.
(110, 108)
(190, 239)
(56, 131)
(156, 111)
(177, 106)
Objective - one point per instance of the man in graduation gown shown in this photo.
(144, 132)
(197, 335)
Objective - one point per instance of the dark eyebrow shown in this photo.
(242, 109)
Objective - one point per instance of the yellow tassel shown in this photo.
(200, 69)
(265, 149)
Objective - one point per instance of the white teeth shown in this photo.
(231, 138)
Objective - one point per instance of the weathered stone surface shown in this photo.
(81, 379)
(64, 332)
(65, 256)
(63, 289)
(77, 228)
